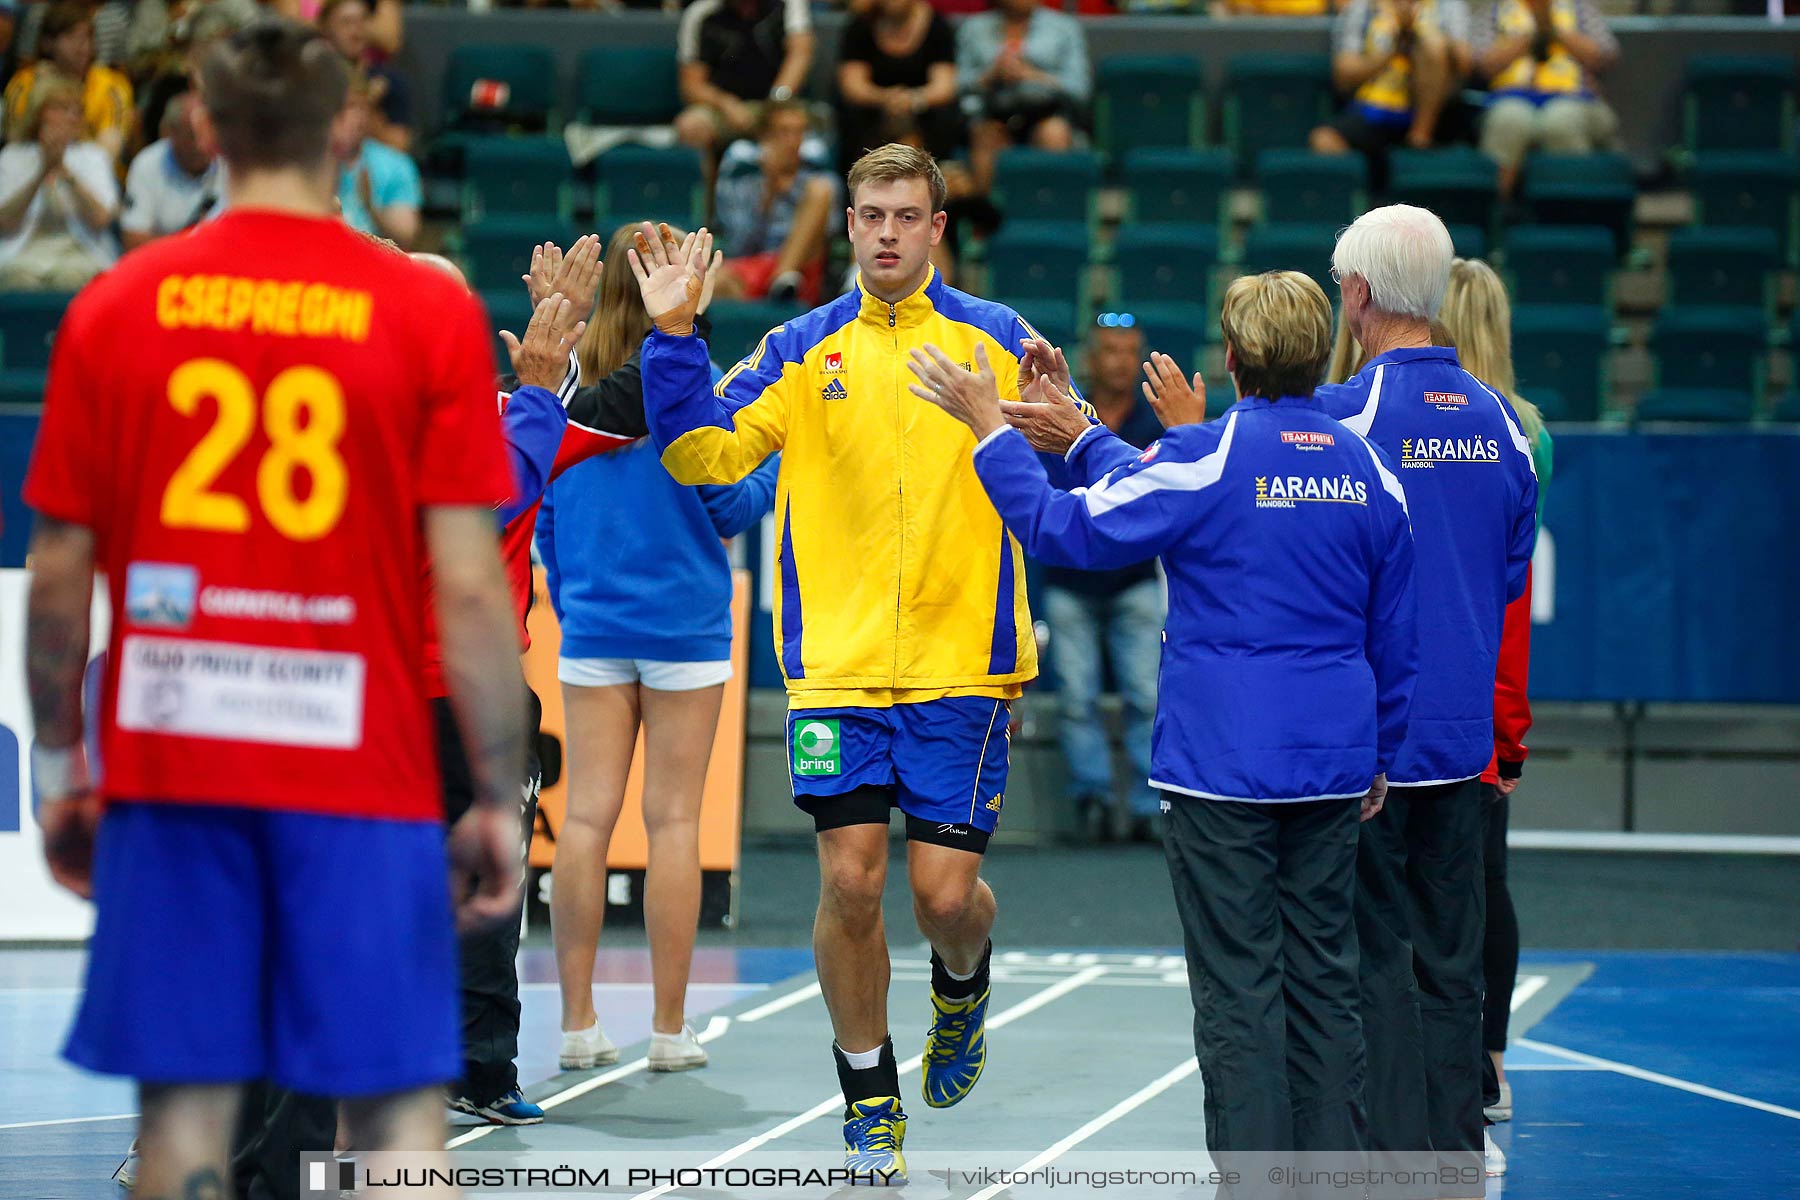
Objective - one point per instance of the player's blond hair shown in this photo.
(1277, 326)
(618, 323)
(896, 161)
(1478, 319)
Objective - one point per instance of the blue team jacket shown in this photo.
(1472, 490)
(1290, 650)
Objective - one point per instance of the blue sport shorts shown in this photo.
(234, 944)
(946, 760)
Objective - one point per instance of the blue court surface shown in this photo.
(1667, 1075)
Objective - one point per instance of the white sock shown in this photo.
(862, 1060)
(961, 978)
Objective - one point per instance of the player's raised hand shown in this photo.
(541, 358)
(1049, 420)
(1171, 397)
(1041, 360)
(971, 396)
(484, 856)
(712, 278)
(540, 281)
(671, 275)
(578, 275)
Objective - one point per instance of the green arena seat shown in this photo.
(516, 177)
(1148, 100)
(1710, 346)
(627, 85)
(1164, 263)
(649, 183)
(1299, 187)
(1178, 186)
(1046, 185)
(1738, 102)
(1562, 348)
(1560, 264)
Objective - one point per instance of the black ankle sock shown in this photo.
(960, 989)
(882, 1079)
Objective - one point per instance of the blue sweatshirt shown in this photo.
(634, 561)
(1472, 490)
(1290, 650)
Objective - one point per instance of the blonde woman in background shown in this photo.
(1477, 319)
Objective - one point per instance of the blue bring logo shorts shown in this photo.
(945, 761)
(234, 944)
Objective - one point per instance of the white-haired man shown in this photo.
(1472, 493)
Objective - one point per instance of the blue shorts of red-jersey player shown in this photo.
(235, 944)
(943, 763)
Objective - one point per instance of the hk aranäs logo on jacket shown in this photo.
(1290, 491)
(1429, 452)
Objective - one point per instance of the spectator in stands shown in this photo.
(113, 22)
(774, 211)
(1025, 77)
(347, 25)
(897, 81)
(380, 192)
(1477, 320)
(171, 72)
(1401, 64)
(173, 183)
(1270, 8)
(643, 589)
(67, 42)
(1115, 616)
(1541, 60)
(58, 197)
(734, 55)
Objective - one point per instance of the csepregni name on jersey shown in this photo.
(1287, 491)
(1429, 452)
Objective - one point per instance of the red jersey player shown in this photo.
(255, 431)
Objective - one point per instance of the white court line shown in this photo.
(715, 1028)
(70, 1121)
(1665, 843)
(1525, 987)
(1683, 1085)
(1138, 1098)
(1511, 1067)
(835, 1101)
(797, 996)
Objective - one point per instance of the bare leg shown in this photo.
(953, 904)
(602, 733)
(849, 940)
(678, 739)
(1054, 133)
(1432, 80)
(1327, 140)
(986, 140)
(410, 1123)
(184, 1140)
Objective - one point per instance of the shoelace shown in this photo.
(947, 1035)
(878, 1131)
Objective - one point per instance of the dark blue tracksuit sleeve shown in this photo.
(1393, 642)
(532, 426)
(1098, 453)
(735, 507)
(1135, 513)
(1524, 538)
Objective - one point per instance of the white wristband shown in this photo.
(57, 774)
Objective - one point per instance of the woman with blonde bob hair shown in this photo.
(1287, 672)
(1478, 320)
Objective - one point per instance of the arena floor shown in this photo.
(1635, 1074)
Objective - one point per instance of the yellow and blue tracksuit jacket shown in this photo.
(898, 581)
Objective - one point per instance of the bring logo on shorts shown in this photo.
(818, 749)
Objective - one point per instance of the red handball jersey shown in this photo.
(251, 418)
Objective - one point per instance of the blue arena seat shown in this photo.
(1710, 346)
(1148, 100)
(1712, 265)
(1178, 186)
(1738, 102)
(1274, 101)
(1300, 187)
(1164, 263)
(649, 183)
(627, 85)
(1582, 189)
(1747, 188)
(1046, 185)
(1562, 348)
(1033, 260)
(1560, 264)
(516, 177)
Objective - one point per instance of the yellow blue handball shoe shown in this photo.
(874, 1132)
(956, 1045)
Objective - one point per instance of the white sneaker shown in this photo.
(1500, 1110)
(584, 1048)
(676, 1051)
(1494, 1156)
(126, 1175)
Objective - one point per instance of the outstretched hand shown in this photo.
(541, 358)
(1172, 398)
(671, 275)
(1041, 360)
(1051, 423)
(972, 397)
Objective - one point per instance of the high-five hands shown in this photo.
(1050, 423)
(972, 397)
(541, 358)
(1171, 397)
(671, 275)
(575, 274)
